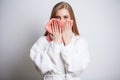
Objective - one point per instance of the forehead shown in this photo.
(62, 11)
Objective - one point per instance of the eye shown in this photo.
(65, 17)
(57, 17)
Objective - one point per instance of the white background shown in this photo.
(22, 22)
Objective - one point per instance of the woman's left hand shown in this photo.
(67, 33)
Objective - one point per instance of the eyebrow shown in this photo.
(63, 16)
(56, 16)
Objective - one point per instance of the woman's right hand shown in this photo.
(57, 34)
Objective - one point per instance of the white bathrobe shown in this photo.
(59, 62)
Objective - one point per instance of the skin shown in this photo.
(65, 33)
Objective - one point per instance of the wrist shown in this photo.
(66, 43)
(56, 41)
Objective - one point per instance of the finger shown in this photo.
(68, 25)
(51, 36)
(63, 29)
(57, 29)
(60, 30)
(65, 25)
(52, 26)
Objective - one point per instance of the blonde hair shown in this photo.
(65, 5)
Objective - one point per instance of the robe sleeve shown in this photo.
(76, 55)
(43, 55)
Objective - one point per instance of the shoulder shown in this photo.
(80, 38)
(41, 41)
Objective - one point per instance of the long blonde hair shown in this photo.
(65, 5)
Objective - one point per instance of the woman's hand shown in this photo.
(57, 35)
(67, 33)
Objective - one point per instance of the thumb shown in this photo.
(51, 36)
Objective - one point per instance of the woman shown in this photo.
(61, 54)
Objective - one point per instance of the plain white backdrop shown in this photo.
(22, 22)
